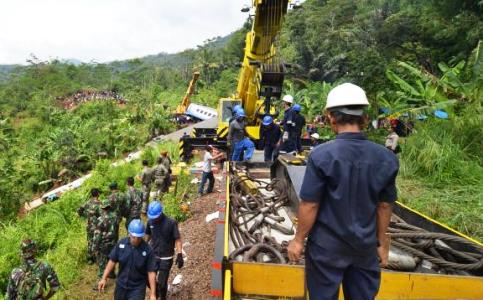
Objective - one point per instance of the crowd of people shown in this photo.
(286, 136)
(275, 138)
(145, 256)
(83, 96)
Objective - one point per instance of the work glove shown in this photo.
(179, 260)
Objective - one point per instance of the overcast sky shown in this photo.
(106, 30)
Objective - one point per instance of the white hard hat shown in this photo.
(288, 99)
(315, 136)
(347, 94)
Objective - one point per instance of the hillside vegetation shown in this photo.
(411, 56)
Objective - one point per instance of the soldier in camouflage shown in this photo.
(160, 173)
(132, 202)
(167, 164)
(90, 210)
(105, 235)
(29, 282)
(146, 180)
(166, 160)
(117, 203)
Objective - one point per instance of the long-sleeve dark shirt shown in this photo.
(299, 123)
(288, 120)
(269, 135)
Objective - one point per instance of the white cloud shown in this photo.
(106, 30)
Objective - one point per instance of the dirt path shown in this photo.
(198, 237)
(201, 238)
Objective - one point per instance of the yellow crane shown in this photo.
(185, 103)
(260, 80)
(261, 76)
(187, 112)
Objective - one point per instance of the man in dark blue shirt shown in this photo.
(287, 121)
(288, 141)
(299, 121)
(269, 137)
(137, 265)
(163, 235)
(347, 196)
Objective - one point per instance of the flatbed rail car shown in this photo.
(251, 280)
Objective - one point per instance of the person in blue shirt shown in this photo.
(287, 121)
(137, 265)
(346, 204)
(269, 137)
(288, 143)
(299, 121)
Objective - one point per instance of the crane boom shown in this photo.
(183, 106)
(261, 76)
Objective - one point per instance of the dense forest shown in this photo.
(411, 56)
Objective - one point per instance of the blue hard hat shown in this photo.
(297, 107)
(440, 114)
(267, 120)
(236, 111)
(155, 209)
(237, 107)
(240, 113)
(136, 228)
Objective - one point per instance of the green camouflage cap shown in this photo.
(28, 248)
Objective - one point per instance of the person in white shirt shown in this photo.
(207, 172)
(391, 140)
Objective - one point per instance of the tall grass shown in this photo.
(442, 173)
(447, 151)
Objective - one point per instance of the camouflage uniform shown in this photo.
(160, 173)
(105, 235)
(146, 180)
(117, 204)
(90, 210)
(133, 201)
(117, 201)
(166, 162)
(167, 180)
(29, 282)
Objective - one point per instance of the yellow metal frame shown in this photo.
(268, 280)
(398, 285)
(287, 281)
(226, 251)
